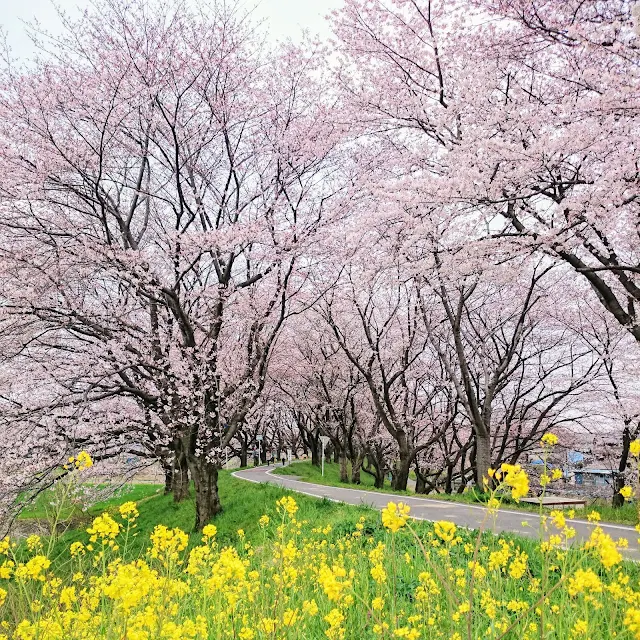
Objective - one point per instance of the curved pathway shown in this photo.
(522, 523)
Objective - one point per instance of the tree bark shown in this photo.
(482, 460)
(401, 474)
(168, 478)
(180, 475)
(344, 470)
(421, 480)
(205, 479)
(244, 453)
(315, 454)
(618, 498)
(356, 465)
(448, 483)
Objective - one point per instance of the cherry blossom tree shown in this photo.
(162, 173)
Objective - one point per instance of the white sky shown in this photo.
(286, 18)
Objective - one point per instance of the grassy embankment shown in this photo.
(305, 570)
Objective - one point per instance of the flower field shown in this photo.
(383, 577)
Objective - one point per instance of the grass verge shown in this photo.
(307, 472)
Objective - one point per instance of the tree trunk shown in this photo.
(401, 474)
(180, 475)
(483, 460)
(618, 483)
(168, 478)
(421, 481)
(377, 473)
(344, 470)
(315, 454)
(356, 465)
(448, 483)
(205, 479)
(243, 453)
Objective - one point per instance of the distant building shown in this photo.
(593, 477)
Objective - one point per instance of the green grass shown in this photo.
(243, 505)
(307, 472)
(40, 508)
(326, 534)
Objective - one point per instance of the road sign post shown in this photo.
(324, 440)
(259, 439)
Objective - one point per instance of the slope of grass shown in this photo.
(338, 557)
(40, 508)
(243, 505)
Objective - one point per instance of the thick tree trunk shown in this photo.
(344, 470)
(448, 483)
(243, 453)
(377, 473)
(205, 479)
(180, 475)
(315, 453)
(618, 483)
(356, 465)
(421, 480)
(483, 460)
(401, 473)
(168, 478)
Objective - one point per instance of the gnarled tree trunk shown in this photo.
(205, 480)
(180, 474)
(482, 459)
(618, 483)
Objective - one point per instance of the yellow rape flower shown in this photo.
(82, 461)
(288, 505)
(632, 621)
(395, 516)
(310, 608)
(209, 531)
(445, 530)
(515, 478)
(128, 511)
(626, 492)
(104, 527)
(33, 569)
(34, 542)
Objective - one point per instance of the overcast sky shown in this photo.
(285, 17)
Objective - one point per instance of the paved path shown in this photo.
(465, 515)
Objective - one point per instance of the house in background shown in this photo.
(593, 477)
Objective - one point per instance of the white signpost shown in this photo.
(259, 439)
(324, 440)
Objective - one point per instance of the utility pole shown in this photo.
(324, 440)
(259, 439)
